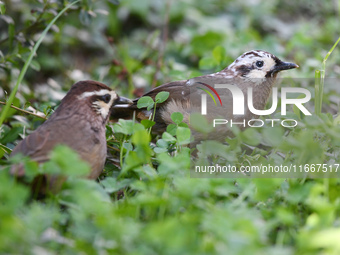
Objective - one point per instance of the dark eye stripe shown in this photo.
(243, 70)
(106, 98)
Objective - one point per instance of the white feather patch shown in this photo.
(101, 92)
(260, 74)
(101, 107)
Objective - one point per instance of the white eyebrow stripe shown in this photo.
(101, 92)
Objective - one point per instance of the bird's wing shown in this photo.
(184, 97)
(36, 145)
(177, 89)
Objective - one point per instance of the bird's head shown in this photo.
(99, 97)
(258, 64)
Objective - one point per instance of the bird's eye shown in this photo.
(259, 63)
(106, 98)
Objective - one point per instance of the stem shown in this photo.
(21, 110)
(320, 80)
(121, 152)
(154, 111)
(153, 116)
(329, 53)
(28, 61)
(112, 148)
(318, 102)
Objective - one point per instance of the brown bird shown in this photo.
(79, 122)
(257, 69)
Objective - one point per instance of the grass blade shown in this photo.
(28, 62)
(318, 99)
(320, 80)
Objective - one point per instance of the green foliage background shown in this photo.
(145, 202)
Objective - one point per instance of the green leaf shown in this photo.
(266, 187)
(10, 135)
(201, 42)
(132, 160)
(31, 168)
(168, 137)
(140, 137)
(69, 161)
(215, 148)
(137, 127)
(182, 124)
(251, 136)
(171, 129)
(183, 135)
(35, 65)
(12, 111)
(162, 143)
(128, 146)
(144, 102)
(3, 150)
(13, 197)
(219, 54)
(47, 110)
(112, 185)
(149, 171)
(124, 127)
(177, 117)
(160, 150)
(162, 96)
(162, 146)
(148, 123)
(207, 63)
(200, 123)
(273, 135)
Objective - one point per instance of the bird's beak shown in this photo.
(284, 66)
(123, 100)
